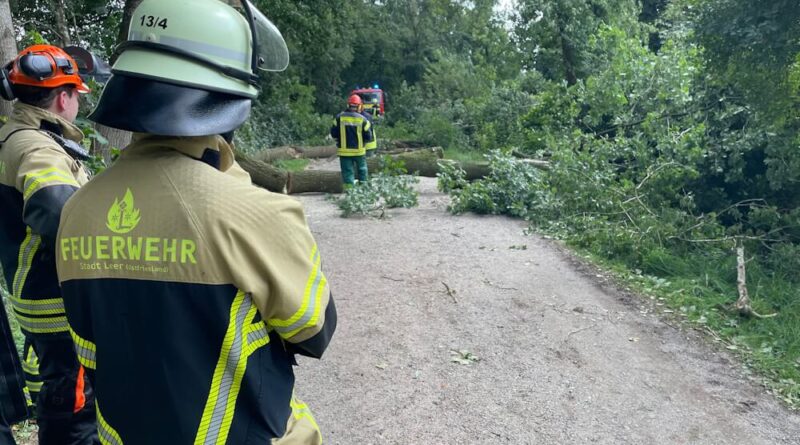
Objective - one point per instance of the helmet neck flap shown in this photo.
(168, 110)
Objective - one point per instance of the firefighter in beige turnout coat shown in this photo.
(188, 290)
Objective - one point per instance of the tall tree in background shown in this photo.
(89, 23)
(754, 48)
(554, 35)
(59, 9)
(8, 46)
(117, 138)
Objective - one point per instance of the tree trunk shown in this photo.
(116, 139)
(324, 151)
(276, 154)
(567, 56)
(127, 15)
(422, 163)
(317, 152)
(8, 47)
(62, 28)
(309, 181)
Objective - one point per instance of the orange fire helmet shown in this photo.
(45, 66)
(355, 99)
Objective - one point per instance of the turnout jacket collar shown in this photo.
(213, 150)
(25, 115)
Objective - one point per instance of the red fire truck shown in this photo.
(374, 99)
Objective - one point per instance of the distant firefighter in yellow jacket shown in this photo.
(352, 131)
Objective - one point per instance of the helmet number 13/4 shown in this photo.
(151, 21)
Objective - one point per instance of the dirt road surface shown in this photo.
(563, 358)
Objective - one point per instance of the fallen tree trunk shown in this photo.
(277, 153)
(315, 181)
(325, 151)
(318, 152)
(419, 162)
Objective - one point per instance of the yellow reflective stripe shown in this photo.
(43, 325)
(347, 121)
(53, 306)
(28, 398)
(34, 180)
(34, 386)
(30, 369)
(308, 314)
(257, 335)
(300, 410)
(86, 350)
(107, 434)
(31, 364)
(240, 341)
(342, 136)
(27, 250)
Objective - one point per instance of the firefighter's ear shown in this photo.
(5, 84)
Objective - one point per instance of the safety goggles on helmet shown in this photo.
(42, 66)
(270, 52)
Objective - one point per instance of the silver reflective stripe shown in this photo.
(87, 356)
(25, 261)
(312, 303)
(260, 334)
(38, 307)
(47, 325)
(196, 47)
(232, 362)
(107, 434)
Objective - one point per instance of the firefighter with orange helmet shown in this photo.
(352, 131)
(40, 168)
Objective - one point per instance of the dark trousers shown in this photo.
(5, 431)
(352, 164)
(65, 405)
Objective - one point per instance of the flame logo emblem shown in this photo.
(123, 216)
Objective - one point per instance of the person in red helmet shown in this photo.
(40, 168)
(352, 132)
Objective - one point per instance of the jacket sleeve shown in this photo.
(46, 177)
(335, 129)
(278, 263)
(367, 131)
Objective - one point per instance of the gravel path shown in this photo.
(563, 358)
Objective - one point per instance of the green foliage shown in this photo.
(509, 189)
(554, 34)
(659, 166)
(93, 24)
(391, 188)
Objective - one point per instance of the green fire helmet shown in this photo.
(190, 67)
